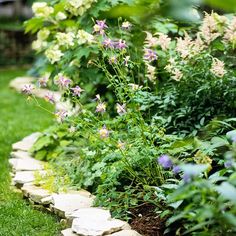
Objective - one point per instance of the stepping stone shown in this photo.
(68, 232)
(64, 204)
(20, 154)
(46, 200)
(125, 233)
(97, 227)
(91, 213)
(19, 82)
(26, 143)
(23, 177)
(25, 164)
(36, 194)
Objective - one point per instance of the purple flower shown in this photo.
(176, 169)
(27, 89)
(50, 98)
(121, 109)
(77, 91)
(121, 44)
(150, 55)
(187, 178)
(165, 161)
(61, 115)
(100, 27)
(104, 132)
(63, 82)
(108, 43)
(228, 164)
(101, 107)
(42, 82)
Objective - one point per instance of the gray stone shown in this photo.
(68, 232)
(91, 213)
(125, 233)
(97, 227)
(65, 204)
(46, 200)
(35, 193)
(23, 177)
(26, 143)
(20, 154)
(25, 164)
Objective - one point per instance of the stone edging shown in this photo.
(75, 208)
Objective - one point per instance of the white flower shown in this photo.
(177, 74)
(60, 16)
(151, 72)
(54, 54)
(65, 39)
(41, 9)
(163, 41)
(217, 68)
(43, 34)
(84, 37)
(150, 41)
(39, 45)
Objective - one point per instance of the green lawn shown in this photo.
(19, 118)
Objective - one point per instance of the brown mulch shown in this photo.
(146, 222)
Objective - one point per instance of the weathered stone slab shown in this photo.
(125, 233)
(68, 232)
(46, 200)
(26, 164)
(88, 227)
(65, 204)
(23, 177)
(26, 143)
(92, 213)
(20, 154)
(36, 194)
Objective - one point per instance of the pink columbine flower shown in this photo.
(121, 44)
(101, 107)
(27, 89)
(42, 82)
(150, 55)
(104, 132)
(77, 91)
(49, 97)
(100, 27)
(61, 115)
(121, 109)
(63, 82)
(108, 43)
(126, 25)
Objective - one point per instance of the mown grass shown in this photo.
(19, 118)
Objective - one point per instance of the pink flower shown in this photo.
(77, 91)
(104, 132)
(150, 55)
(27, 89)
(108, 43)
(121, 44)
(63, 82)
(100, 27)
(49, 97)
(61, 115)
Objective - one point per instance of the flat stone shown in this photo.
(25, 164)
(68, 232)
(23, 177)
(35, 193)
(88, 227)
(26, 143)
(64, 204)
(46, 200)
(20, 154)
(125, 233)
(91, 213)
(19, 82)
